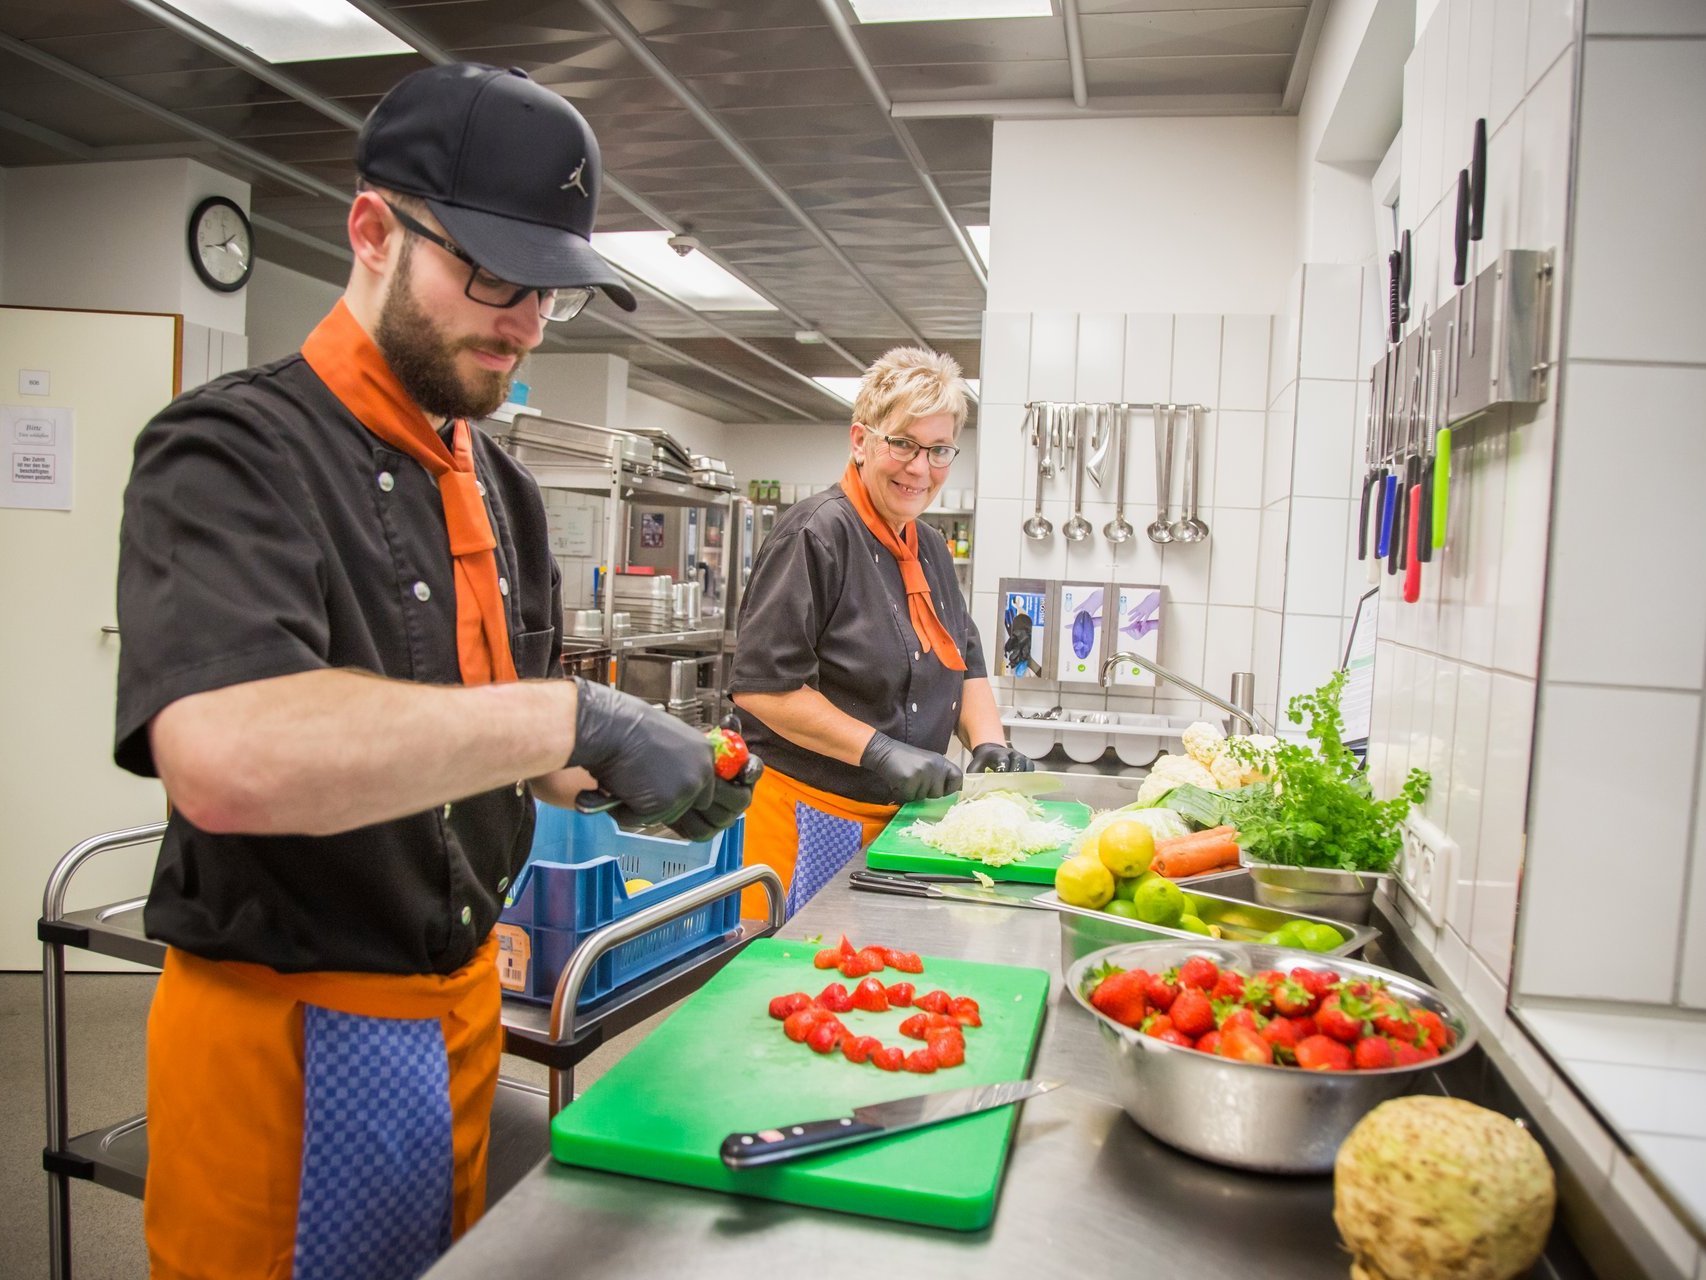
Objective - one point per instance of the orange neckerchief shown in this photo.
(349, 363)
(932, 635)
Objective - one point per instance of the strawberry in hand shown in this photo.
(728, 753)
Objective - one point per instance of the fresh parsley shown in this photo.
(1317, 809)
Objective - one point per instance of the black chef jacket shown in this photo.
(267, 532)
(826, 609)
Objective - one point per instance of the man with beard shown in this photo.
(341, 620)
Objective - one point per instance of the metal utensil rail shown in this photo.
(561, 1037)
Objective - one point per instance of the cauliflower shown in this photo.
(1204, 742)
(1172, 771)
(1228, 773)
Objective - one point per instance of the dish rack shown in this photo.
(1136, 737)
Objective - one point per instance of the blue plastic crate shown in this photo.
(573, 883)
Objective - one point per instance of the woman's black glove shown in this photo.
(998, 757)
(912, 774)
(658, 768)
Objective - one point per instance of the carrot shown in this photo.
(1211, 835)
(1212, 855)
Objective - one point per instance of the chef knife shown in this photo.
(1025, 784)
(879, 1120)
(913, 887)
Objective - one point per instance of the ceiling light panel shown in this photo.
(870, 11)
(694, 279)
(294, 30)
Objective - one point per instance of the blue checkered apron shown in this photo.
(377, 1161)
(826, 845)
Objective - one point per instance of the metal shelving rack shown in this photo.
(560, 1037)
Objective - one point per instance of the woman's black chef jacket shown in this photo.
(267, 532)
(825, 609)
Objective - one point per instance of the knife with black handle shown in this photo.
(1478, 181)
(772, 1146)
(1460, 231)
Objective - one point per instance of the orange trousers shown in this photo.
(773, 833)
(225, 1101)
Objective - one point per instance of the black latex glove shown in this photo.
(658, 768)
(912, 774)
(998, 757)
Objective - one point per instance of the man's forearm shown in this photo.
(326, 751)
(808, 719)
(980, 718)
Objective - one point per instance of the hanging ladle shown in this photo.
(1042, 423)
(1119, 529)
(1078, 528)
(1161, 529)
(1187, 528)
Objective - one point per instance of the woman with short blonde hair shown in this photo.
(857, 661)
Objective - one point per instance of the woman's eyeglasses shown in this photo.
(489, 291)
(905, 449)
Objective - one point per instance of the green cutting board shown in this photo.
(720, 1064)
(895, 850)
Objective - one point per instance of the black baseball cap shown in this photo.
(510, 168)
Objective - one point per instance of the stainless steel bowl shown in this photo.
(1270, 1119)
(1318, 891)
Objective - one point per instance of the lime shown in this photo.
(1291, 934)
(1195, 906)
(1126, 847)
(1125, 887)
(1159, 901)
(1084, 882)
(1190, 924)
(1320, 937)
(1122, 908)
(1272, 939)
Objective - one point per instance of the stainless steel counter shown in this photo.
(1086, 1192)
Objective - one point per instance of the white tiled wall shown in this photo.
(1553, 676)
(1209, 627)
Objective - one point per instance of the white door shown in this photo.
(58, 783)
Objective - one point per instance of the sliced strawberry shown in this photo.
(826, 1036)
(782, 1006)
(860, 1048)
(921, 1061)
(870, 996)
(846, 948)
(900, 993)
(888, 1058)
(948, 1050)
(834, 997)
(905, 961)
(916, 1027)
(964, 1010)
(872, 958)
(853, 966)
(828, 958)
(796, 1025)
(933, 1001)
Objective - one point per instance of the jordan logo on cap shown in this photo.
(575, 180)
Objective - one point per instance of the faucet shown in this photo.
(1241, 715)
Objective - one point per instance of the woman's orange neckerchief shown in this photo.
(933, 637)
(350, 364)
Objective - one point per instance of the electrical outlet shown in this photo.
(1427, 865)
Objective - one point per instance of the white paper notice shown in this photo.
(35, 448)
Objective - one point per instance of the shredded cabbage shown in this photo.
(997, 828)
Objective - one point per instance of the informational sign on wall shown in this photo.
(35, 447)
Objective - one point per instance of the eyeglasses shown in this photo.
(489, 291)
(905, 449)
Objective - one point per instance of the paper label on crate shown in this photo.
(515, 956)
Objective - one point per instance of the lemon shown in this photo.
(1159, 901)
(1126, 847)
(1084, 882)
(637, 885)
